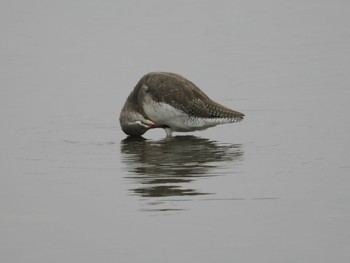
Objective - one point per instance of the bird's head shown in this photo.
(134, 123)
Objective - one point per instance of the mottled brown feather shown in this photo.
(184, 95)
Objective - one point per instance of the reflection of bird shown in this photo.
(169, 101)
(164, 168)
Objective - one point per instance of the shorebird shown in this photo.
(170, 101)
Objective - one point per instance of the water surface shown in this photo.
(273, 188)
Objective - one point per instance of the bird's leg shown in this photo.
(168, 131)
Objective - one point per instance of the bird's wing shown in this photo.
(184, 95)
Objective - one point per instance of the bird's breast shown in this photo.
(165, 114)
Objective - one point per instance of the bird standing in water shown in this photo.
(169, 101)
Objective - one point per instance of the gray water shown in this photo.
(273, 188)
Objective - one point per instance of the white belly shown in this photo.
(177, 120)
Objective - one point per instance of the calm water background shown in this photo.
(273, 188)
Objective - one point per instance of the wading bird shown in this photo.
(170, 101)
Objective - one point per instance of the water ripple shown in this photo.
(168, 168)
